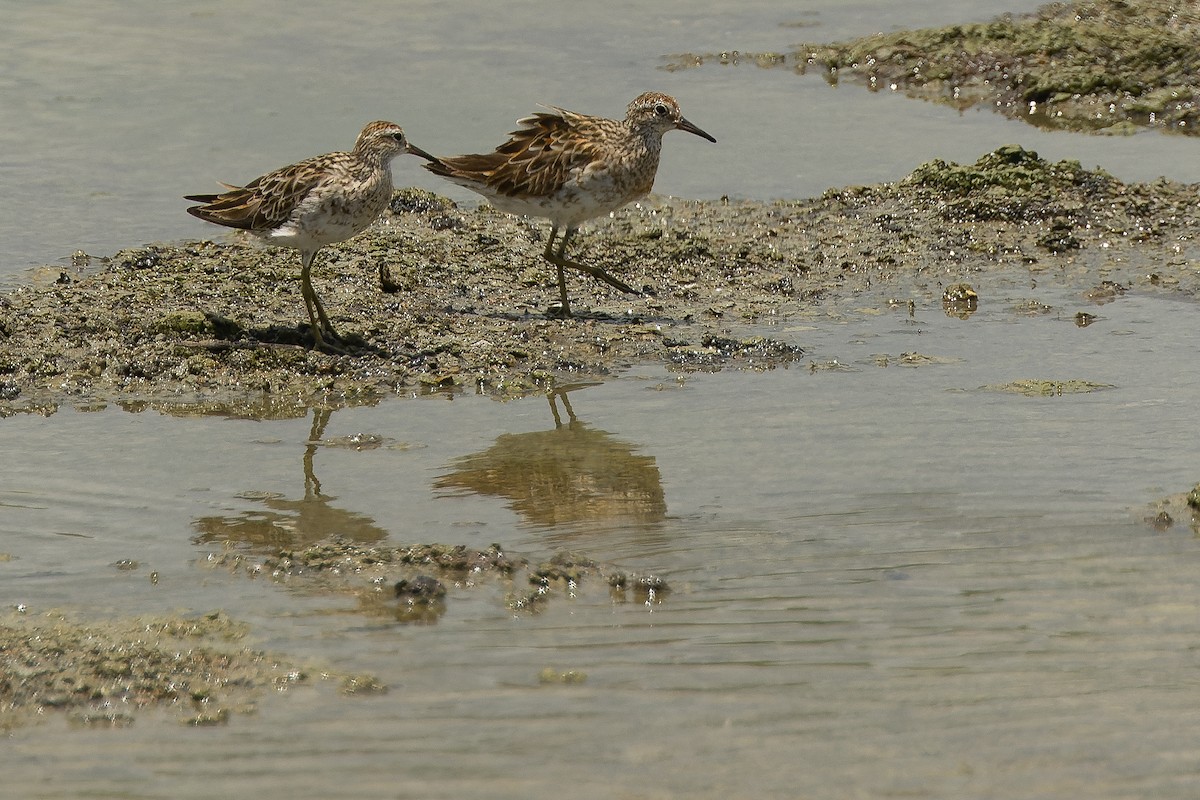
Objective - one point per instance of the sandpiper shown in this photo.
(315, 202)
(570, 168)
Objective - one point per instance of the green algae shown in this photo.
(102, 673)
(1011, 168)
(1193, 497)
(1047, 388)
(413, 583)
(1010, 183)
(1099, 66)
(1181, 508)
(130, 330)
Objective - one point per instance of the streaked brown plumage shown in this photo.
(570, 168)
(313, 203)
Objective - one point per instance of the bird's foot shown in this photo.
(599, 273)
(329, 346)
(327, 340)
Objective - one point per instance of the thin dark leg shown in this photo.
(306, 290)
(326, 325)
(560, 260)
(557, 261)
(318, 320)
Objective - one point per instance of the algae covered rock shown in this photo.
(1087, 66)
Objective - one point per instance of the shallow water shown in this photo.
(113, 111)
(886, 580)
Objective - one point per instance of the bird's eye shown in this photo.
(662, 110)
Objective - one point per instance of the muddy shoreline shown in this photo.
(213, 328)
(1111, 67)
(444, 298)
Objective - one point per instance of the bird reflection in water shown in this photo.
(570, 474)
(287, 523)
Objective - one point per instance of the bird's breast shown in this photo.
(329, 216)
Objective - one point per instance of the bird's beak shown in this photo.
(684, 125)
(416, 151)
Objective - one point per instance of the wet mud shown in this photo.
(107, 673)
(1180, 510)
(415, 583)
(103, 673)
(441, 298)
(1107, 66)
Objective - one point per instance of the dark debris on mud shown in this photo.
(414, 583)
(1182, 509)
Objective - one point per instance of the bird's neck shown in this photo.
(647, 142)
(376, 158)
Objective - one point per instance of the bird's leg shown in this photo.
(306, 289)
(318, 320)
(557, 261)
(560, 260)
(326, 325)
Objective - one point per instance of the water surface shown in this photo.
(886, 580)
(113, 111)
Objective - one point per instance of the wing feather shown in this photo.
(267, 201)
(536, 161)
